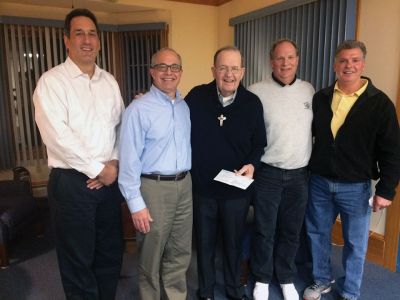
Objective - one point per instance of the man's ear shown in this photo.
(66, 42)
(213, 70)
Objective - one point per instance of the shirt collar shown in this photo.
(281, 83)
(74, 70)
(164, 96)
(221, 98)
(356, 93)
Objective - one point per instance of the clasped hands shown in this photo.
(106, 177)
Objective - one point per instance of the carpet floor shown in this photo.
(33, 275)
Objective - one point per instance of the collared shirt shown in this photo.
(155, 138)
(78, 117)
(341, 105)
(225, 101)
(288, 118)
(274, 78)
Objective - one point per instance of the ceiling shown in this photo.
(205, 2)
(106, 6)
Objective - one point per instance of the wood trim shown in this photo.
(392, 229)
(204, 2)
(376, 243)
(398, 99)
(358, 9)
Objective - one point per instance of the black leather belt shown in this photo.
(160, 177)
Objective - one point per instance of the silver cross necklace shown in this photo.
(221, 119)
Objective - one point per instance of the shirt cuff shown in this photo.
(114, 154)
(94, 169)
(136, 204)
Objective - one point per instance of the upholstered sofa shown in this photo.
(18, 209)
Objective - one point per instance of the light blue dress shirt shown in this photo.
(154, 138)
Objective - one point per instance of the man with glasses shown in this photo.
(155, 157)
(227, 133)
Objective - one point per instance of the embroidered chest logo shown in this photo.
(307, 105)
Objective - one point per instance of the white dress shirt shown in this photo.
(78, 117)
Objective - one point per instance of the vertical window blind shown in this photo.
(317, 27)
(32, 48)
(138, 47)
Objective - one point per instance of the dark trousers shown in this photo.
(88, 235)
(229, 216)
(279, 208)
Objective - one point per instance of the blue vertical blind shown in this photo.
(138, 47)
(317, 27)
(33, 46)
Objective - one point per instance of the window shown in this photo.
(317, 27)
(137, 48)
(34, 46)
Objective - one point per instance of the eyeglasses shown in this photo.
(225, 69)
(175, 68)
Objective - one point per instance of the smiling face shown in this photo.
(83, 43)
(228, 71)
(166, 80)
(348, 66)
(284, 62)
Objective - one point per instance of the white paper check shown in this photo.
(231, 178)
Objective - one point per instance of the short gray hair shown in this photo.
(165, 49)
(351, 44)
(229, 48)
(280, 41)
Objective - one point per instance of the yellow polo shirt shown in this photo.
(341, 105)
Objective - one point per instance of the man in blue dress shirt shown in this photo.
(155, 156)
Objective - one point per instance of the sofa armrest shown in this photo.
(22, 174)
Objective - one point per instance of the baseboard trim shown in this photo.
(376, 243)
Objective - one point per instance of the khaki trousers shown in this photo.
(165, 252)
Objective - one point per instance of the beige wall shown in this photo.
(233, 9)
(192, 30)
(378, 27)
(196, 31)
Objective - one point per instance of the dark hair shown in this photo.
(351, 44)
(78, 12)
(229, 48)
(154, 56)
(280, 41)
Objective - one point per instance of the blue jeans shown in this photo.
(279, 207)
(328, 198)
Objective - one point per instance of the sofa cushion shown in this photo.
(14, 209)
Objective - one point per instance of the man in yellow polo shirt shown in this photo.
(357, 139)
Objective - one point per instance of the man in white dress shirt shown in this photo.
(78, 109)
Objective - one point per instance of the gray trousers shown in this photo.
(165, 252)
